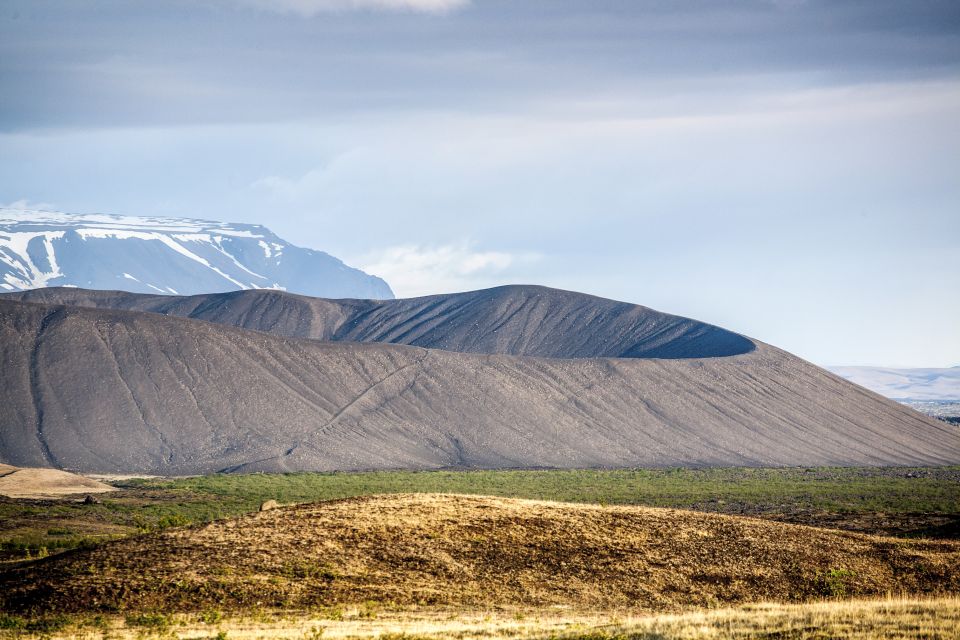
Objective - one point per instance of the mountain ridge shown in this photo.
(131, 391)
(165, 255)
(528, 320)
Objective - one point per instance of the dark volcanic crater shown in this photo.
(507, 377)
(519, 320)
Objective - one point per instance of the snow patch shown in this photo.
(27, 275)
(218, 245)
(51, 254)
(158, 237)
(201, 242)
(193, 237)
(34, 218)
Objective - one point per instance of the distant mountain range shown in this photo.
(166, 255)
(511, 377)
(906, 384)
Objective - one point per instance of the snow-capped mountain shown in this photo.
(166, 255)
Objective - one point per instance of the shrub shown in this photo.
(835, 582)
(210, 616)
(368, 610)
(9, 622)
(301, 569)
(173, 520)
(149, 620)
(59, 531)
(330, 613)
(49, 624)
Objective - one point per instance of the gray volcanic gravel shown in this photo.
(521, 320)
(126, 391)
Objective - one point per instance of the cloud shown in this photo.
(415, 270)
(27, 205)
(309, 8)
(297, 188)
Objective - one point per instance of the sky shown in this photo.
(787, 169)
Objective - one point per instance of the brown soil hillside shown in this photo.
(478, 551)
(46, 483)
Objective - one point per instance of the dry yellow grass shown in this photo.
(46, 483)
(470, 551)
(891, 618)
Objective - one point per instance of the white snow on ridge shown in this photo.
(167, 240)
(168, 231)
(29, 217)
(217, 243)
(26, 274)
(51, 253)
(170, 242)
(168, 256)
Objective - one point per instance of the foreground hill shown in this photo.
(122, 391)
(166, 255)
(477, 551)
(521, 320)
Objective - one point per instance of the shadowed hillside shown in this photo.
(517, 320)
(109, 390)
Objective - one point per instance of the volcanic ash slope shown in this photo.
(520, 320)
(95, 389)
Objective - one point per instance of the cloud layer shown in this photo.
(415, 270)
(786, 169)
(313, 7)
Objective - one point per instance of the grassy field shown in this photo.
(830, 489)
(905, 502)
(893, 501)
(891, 619)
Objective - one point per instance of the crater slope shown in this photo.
(126, 391)
(522, 320)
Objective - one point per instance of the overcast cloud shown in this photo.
(785, 169)
(310, 8)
